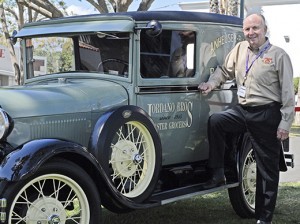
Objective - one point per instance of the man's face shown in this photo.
(255, 31)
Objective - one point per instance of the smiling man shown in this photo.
(265, 110)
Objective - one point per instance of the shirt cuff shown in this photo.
(285, 125)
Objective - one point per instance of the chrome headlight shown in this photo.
(4, 124)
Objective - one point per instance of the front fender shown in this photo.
(27, 158)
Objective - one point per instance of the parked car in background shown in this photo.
(110, 115)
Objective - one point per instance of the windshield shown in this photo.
(101, 52)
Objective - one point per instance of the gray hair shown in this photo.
(261, 16)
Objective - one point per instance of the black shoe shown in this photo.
(218, 179)
(263, 222)
(214, 182)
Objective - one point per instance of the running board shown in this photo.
(170, 196)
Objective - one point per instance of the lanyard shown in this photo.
(257, 56)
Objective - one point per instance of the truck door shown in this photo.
(167, 91)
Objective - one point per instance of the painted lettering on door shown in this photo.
(171, 115)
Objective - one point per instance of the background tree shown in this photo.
(15, 13)
(297, 99)
(296, 84)
(10, 46)
(225, 7)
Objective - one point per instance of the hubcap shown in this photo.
(137, 158)
(54, 219)
(47, 210)
(125, 158)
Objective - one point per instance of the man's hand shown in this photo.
(205, 88)
(282, 134)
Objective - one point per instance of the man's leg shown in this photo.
(263, 128)
(229, 121)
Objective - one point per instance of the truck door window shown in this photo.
(171, 54)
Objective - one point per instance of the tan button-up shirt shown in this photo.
(269, 79)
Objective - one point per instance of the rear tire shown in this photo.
(242, 197)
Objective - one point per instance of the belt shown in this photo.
(260, 107)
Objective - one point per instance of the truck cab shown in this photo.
(110, 115)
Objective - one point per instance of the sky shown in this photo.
(281, 20)
(82, 7)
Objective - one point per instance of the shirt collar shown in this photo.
(261, 47)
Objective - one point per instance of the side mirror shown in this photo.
(12, 38)
(153, 28)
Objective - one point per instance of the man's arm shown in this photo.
(285, 74)
(221, 74)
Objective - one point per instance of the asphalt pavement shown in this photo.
(293, 174)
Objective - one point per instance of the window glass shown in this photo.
(170, 54)
(49, 55)
(105, 52)
(102, 52)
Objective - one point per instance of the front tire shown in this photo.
(242, 197)
(59, 192)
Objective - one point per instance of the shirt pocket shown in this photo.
(265, 74)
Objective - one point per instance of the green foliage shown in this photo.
(296, 84)
(57, 51)
(66, 56)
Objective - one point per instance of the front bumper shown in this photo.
(3, 204)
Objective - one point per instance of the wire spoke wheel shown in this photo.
(51, 198)
(60, 192)
(249, 179)
(132, 159)
(242, 197)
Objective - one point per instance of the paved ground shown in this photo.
(293, 174)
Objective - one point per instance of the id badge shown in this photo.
(241, 91)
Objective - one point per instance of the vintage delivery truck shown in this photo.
(109, 116)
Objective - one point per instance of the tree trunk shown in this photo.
(44, 7)
(214, 6)
(233, 7)
(145, 5)
(10, 46)
(225, 7)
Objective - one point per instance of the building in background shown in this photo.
(281, 16)
(7, 75)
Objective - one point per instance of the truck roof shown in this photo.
(174, 16)
(122, 21)
(161, 16)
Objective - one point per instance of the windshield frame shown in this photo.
(28, 68)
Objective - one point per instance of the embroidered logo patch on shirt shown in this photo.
(267, 60)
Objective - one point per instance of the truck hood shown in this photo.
(72, 96)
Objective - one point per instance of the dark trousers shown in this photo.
(261, 122)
